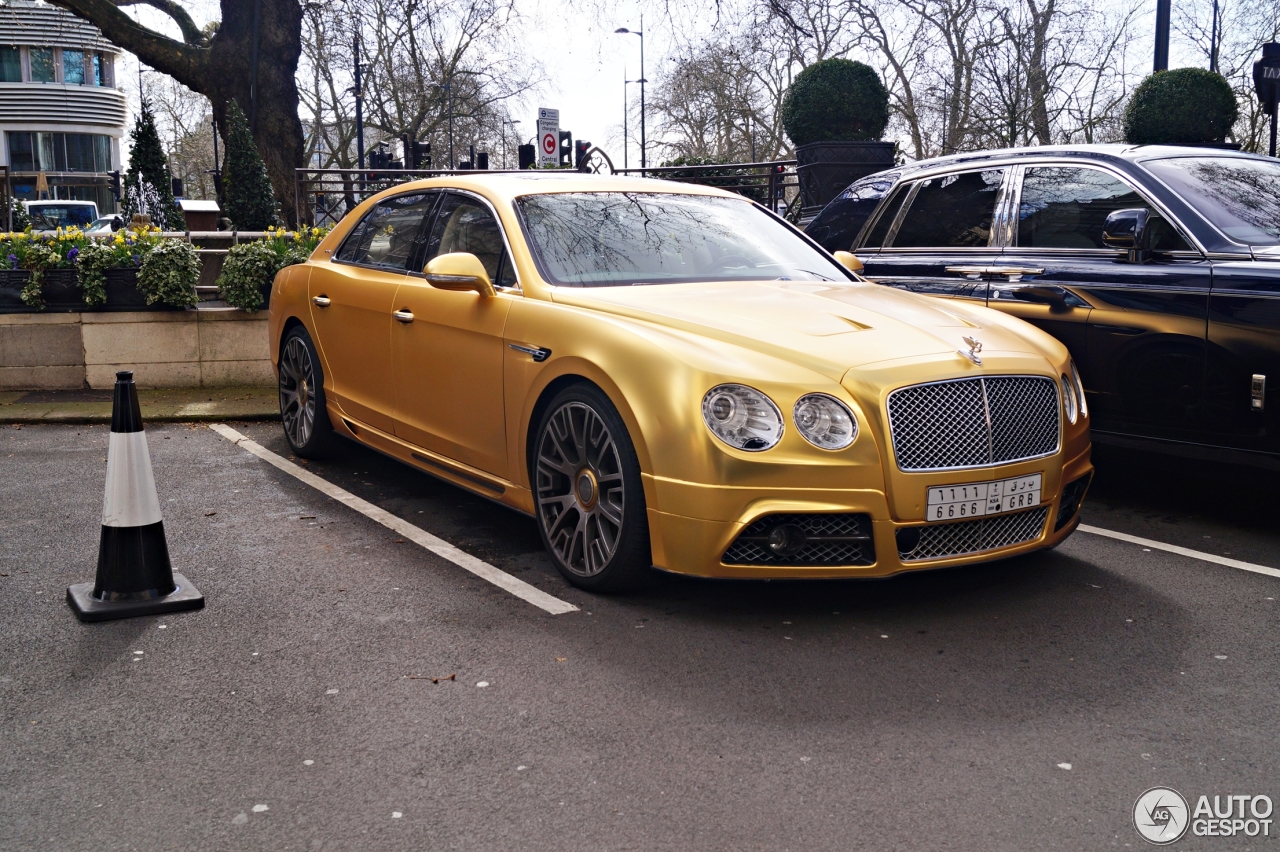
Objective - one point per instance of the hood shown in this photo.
(829, 327)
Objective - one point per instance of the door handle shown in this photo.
(403, 316)
(321, 301)
(1014, 272)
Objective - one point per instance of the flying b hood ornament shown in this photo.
(975, 346)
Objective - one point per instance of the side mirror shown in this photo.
(849, 261)
(459, 270)
(1127, 230)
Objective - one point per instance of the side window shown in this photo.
(876, 236)
(387, 233)
(1067, 207)
(838, 225)
(465, 224)
(952, 211)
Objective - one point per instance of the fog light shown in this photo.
(787, 539)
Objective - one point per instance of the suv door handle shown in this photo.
(321, 301)
(403, 316)
(1014, 272)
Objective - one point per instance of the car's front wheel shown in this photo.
(590, 502)
(302, 404)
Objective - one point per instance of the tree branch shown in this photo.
(182, 61)
(191, 34)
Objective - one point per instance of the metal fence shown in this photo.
(324, 196)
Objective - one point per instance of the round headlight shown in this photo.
(1079, 386)
(742, 417)
(1069, 398)
(825, 421)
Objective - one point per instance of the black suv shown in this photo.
(1158, 267)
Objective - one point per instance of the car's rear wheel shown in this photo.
(590, 502)
(302, 403)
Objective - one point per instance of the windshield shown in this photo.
(609, 239)
(1240, 197)
(54, 216)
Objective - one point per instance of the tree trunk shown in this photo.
(222, 68)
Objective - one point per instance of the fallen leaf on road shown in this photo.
(398, 541)
(561, 659)
(210, 514)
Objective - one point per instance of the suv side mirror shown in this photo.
(458, 270)
(1127, 230)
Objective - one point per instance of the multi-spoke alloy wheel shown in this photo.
(587, 491)
(302, 395)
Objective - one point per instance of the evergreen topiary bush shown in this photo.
(169, 274)
(250, 202)
(835, 100)
(148, 185)
(1186, 106)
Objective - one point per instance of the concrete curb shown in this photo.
(183, 405)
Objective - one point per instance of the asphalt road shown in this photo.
(930, 711)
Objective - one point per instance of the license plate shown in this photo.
(974, 499)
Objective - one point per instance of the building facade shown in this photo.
(62, 116)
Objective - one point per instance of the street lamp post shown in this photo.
(512, 122)
(640, 32)
(1213, 40)
(359, 104)
(625, 109)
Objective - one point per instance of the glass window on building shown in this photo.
(73, 67)
(50, 153)
(10, 65)
(101, 153)
(80, 152)
(21, 157)
(101, 64)
(42, 65)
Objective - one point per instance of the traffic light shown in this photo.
(528, 154)
(421, 158)
(566, 148)
(482, 161)
(380, 157)
(175, 186)
(580, 153)
(115, 184)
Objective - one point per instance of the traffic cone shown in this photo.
(134, 575)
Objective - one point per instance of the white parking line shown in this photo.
(438, 546)
(1181, 551)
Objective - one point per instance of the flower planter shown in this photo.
(61, 290)
(121, 286)
(825, 169)
(11, 283)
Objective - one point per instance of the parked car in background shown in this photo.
(665, 374)
(1158, 267)
(104, 225)
(50, 215)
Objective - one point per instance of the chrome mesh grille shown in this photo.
(944, 425)
(940, 540)
(840, 539)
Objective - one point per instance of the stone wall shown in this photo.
(217, 347)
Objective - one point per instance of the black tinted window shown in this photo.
(880, 230)
(837, 226)
(952, 211)
(1067, 207)
(465, 224)
(387, 233)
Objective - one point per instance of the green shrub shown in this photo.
(748, 182)
(1180, 107)
(125, 249)
(251, 203)
(21, 219)
(250, 268)
(169, 274)
(835, 100)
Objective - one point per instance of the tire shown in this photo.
(587, 492)
(303, 410)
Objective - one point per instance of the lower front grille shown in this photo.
(940, 540)
(1072, 496)
(804, 540)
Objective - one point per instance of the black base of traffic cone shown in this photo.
(134, 574)
(89, 608)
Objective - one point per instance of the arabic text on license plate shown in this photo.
(974, 499)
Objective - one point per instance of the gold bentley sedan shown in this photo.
(671, 376)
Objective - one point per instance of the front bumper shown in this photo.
(696, 546)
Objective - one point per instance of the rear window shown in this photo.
(952, 211)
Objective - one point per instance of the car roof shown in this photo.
(1116, 152)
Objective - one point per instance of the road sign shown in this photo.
(548, 136)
